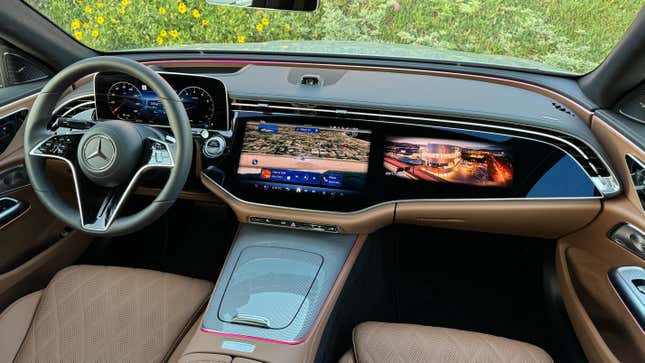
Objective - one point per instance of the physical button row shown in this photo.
(293, 224)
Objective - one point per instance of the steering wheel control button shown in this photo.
(160, 154)
(214, 147)
(99, 152)
(59, 145)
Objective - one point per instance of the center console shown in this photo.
(273, 296)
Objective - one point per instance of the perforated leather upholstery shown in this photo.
(14, 323)
(112, 314)
(403, 343)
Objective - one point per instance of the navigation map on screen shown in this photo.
(304, 159)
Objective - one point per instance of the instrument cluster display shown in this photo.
(125, 98)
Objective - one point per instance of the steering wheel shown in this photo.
(106, 158)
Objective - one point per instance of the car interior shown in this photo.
(248, 207)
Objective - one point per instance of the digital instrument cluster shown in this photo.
(126, 98)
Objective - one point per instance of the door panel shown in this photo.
(605, 327)
(35, 245)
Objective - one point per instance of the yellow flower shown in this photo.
(174, 33)
(241, 39)
(100, 5)
(181, 8)
(124, 2)
(95, 33)
(86, 26)
(113, 21)
(259, 27)
(205, 22)
(78, 35)
(196, 14)
(163, 33)
(100, 19)
(87, 9)
(76, 24)
(287, 26)
(122, 11)
(265, 21)
(162, 11)
(159, 40)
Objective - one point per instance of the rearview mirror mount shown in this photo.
(294, 5)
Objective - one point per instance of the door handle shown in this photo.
(629, 282)
(630, 237)
(10, 208)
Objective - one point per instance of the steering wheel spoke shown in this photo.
(99, 206)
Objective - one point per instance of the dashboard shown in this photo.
(126, 98)
(331, 158)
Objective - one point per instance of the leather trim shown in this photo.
(186, 329)
(365, 221)
(377, 342)
(35, 273)
(534, 218)
(14, 323)
(617, 146)
(605, 328)
(100, 313)
(205, 358)
(518, 217)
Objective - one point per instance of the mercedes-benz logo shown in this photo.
(99, 152)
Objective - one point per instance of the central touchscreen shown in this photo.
(313, 160)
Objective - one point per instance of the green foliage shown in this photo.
(574, 35)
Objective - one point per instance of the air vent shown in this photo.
(561, 108)
(9, 126)
(637, 171)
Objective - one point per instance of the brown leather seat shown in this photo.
(102, 314)
(405, 343)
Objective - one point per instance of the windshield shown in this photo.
(570, 36)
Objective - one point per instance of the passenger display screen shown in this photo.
(449, 161)
(302, 159)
